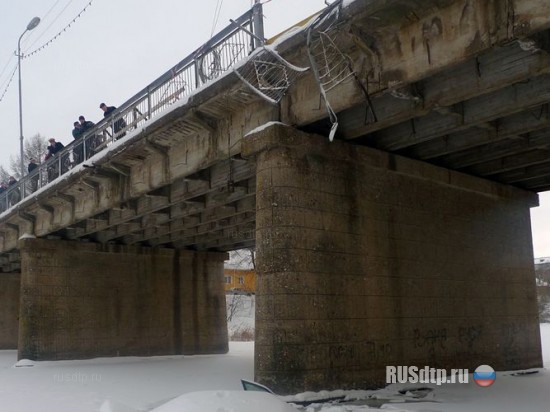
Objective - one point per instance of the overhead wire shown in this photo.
(37, 50)
(9, 79)
(52, 22)
(14, 54)
(6, 66)
(217, 12)
(50, 10)
(9, 83)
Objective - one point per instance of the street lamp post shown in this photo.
(32, 24)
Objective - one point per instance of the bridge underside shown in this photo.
(461, 85)
(406, 242)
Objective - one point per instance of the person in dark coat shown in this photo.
(78, 151)
(78, 131)
(3, 197)
(14, 193)
(86, 124)
(92, 141)
(53, 149)
(34, 177)
(118, 124)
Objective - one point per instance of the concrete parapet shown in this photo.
(366, 259)
(83, 300)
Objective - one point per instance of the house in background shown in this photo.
(239, 280)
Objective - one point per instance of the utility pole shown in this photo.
(32, 24)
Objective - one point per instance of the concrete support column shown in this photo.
(81, 300)
(203, 312)
(9, 309)
(366, 259)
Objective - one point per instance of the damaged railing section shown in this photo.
(268, 74)
(234, 43)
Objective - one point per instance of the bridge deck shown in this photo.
(465, 88)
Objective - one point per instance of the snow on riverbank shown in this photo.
(133, 384)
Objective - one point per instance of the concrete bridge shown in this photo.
(406, 240)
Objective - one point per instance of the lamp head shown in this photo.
(33, 23)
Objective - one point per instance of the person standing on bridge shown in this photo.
(91, 141)
(86, 124)
(77, 131)
(4, 198)
(14, 193)
(78, 151)
(34, 178)
(118, 124)
(53, 149)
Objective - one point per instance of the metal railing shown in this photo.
(205, 64)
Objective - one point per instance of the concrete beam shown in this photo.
(510, 163)
(509, 127)
(479, 110)
(488, 152)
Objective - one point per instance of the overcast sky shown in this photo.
(114, 50)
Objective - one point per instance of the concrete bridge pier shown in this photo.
(82, 300)
(366, 259)
(9, 310)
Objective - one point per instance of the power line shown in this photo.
(216, 16)
(6, 66)
(50, 10)
(53, 21)
(12, 55)
(9, 82)
(60, 32)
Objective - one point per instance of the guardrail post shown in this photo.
(148, 102)
(258, 24)
(197, 75)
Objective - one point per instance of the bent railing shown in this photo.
(204, 65)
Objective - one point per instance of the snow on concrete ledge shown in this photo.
(263, 127)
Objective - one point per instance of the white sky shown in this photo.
(114, 50)
(540, 221)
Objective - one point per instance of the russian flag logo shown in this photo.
(484, 375)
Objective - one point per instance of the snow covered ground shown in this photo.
(141, 384)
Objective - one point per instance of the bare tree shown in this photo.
(234, 304)
(240, 304)
(4, 174)
(245, 258)
(34, 147)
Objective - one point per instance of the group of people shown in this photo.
(80, 129)
(81, 150)
(92, 143)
